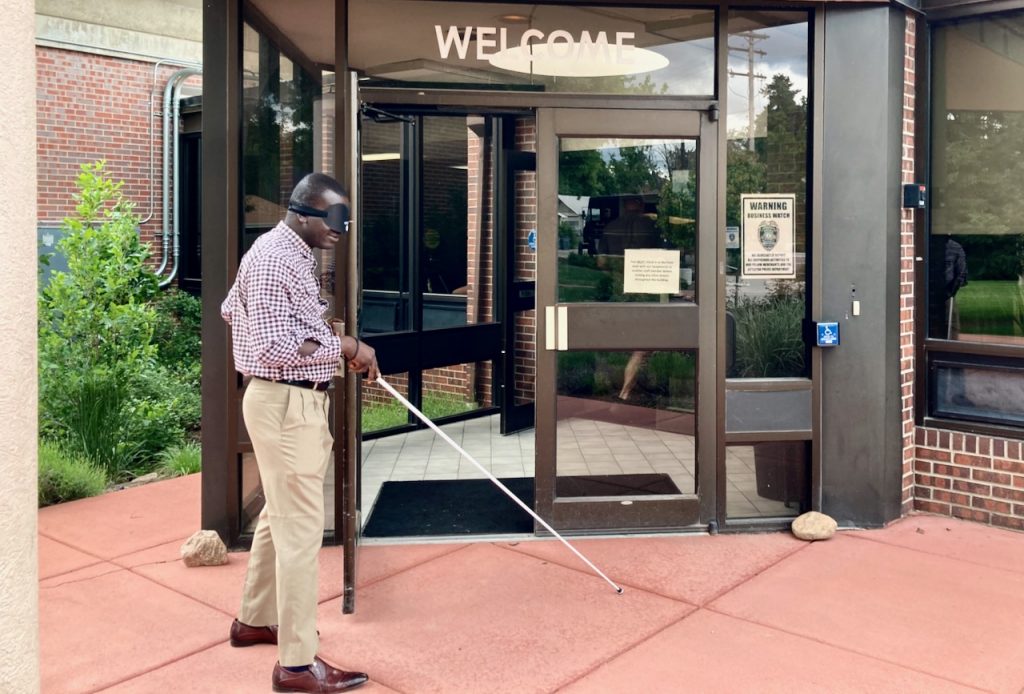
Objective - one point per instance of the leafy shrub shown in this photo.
(581, 260)
(769, 337)
(105, 386)
(576, 373)
(97, 313)
(180, 460)
(65, 477)
(178, 328)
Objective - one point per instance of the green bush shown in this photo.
(65, 477)
(115, 382)
(769, 337)
(181, 460)
(580, 260)
(576, 373)
(178, 328)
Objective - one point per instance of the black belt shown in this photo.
(311, 385)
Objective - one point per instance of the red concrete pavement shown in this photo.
(928, 604)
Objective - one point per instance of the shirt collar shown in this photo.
(296, 240)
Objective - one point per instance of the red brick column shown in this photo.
(907, 252)
(525, 265)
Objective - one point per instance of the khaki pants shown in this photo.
(292, 442)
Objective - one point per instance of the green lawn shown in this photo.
(377, 416)
(988, 307)
(577, 283)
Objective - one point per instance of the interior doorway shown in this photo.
(448, 230)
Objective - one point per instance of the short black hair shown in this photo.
(310, 190)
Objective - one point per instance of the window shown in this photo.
(975, 248)
(767, 156)
(287, 128)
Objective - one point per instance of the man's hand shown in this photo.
(307, 348)
(362, 358)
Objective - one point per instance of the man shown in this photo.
(283, 343)
(631, 229)
(956, 279)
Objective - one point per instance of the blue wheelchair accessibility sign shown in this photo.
(828, 334)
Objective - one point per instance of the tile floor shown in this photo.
(585, 447)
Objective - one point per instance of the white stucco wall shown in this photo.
(135, 29)
(19, 603)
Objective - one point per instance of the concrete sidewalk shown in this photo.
(928, 604)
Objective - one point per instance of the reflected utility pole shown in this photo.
(751, 38)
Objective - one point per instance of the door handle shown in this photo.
(556, 328)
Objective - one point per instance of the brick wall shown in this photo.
(525, 265)
(907, 251)
(968, 476)
(93, 107)
(978, 478)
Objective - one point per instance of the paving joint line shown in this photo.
(830, 644)
(628, 648)
(70, 546)
(588, 573)
(179, 592)
(751, 577)
(413, 566)
(154, 669)
(936, 554)
(83, 579)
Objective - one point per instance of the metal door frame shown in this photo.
(645, 514)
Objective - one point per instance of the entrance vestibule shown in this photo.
(617, 384)
(550, 251)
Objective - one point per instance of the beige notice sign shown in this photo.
(651, 271)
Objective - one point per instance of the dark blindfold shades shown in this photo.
(336, 216)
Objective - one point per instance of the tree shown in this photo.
(584, 172)
(635, 171)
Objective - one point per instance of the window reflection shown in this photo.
(767, 154)
(616, 195)
(976, 249)
(987, 392)
(283, 127)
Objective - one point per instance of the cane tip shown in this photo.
(619, 591)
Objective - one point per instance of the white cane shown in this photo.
(412, 408)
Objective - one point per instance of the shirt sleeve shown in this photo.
(227, 307)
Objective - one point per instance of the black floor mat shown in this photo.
(450, 507)
(471, 507)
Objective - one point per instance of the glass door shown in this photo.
(626, 392)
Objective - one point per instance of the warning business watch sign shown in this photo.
(768, 246)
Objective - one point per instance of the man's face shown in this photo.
(314, 230)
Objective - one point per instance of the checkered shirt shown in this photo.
(274, 306)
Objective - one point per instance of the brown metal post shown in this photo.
(221, 212)
(346, 406)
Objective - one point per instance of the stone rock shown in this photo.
(814, 526)
(204, 548)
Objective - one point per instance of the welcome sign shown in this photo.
(559, 53)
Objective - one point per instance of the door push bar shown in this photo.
(556, 328)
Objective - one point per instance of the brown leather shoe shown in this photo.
(243, 635)
(320, 677)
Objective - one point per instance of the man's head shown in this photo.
(633, 205)
(318, 211)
